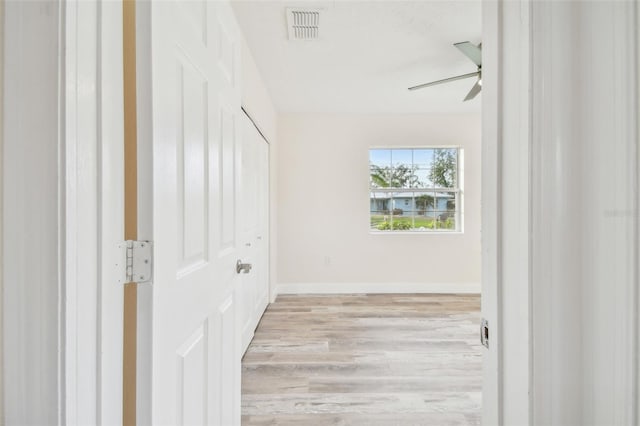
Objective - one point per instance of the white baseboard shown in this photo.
(379, 288)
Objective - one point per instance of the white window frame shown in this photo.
(458, 190)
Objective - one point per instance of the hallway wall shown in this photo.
(256, 99)
(1, 208)
(584, 235)
(323, 217)
(31, 268)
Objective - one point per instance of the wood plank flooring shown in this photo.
(375, 360)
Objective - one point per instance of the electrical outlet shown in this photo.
(327, 261)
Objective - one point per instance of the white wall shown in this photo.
(31, 187)
(585, 213)
(637, 401)
(1, 220)
(323, 204)
(256, 99)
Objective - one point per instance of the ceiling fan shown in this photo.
(472, 52)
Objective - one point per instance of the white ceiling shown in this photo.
(368, 54)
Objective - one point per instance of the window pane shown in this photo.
(379, 176)
(378, 221)
(424, 202)
(423, 178)
(379, 202)
(400, 214)
(416, 222)
(404, 176)
(379, 210)
(380, 157)
(444, 168)
(422, 158)
(423, 220)
(402, 157)
(446, 210)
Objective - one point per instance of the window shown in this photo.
(415, 189)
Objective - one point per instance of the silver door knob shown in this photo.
(243, 267)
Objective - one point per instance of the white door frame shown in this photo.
(505, 210)
(62, 212)
(546, 313)
(94, 222)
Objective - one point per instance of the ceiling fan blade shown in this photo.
(474, 91)
(446, 80)
(471, 51)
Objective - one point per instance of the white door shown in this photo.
(254, 229)
(249, 231)
(192, 112)
(262, 239)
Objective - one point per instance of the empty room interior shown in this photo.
(376, 305)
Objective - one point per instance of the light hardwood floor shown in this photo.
(375, 360)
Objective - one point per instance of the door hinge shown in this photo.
(138, 261)
(484, 333)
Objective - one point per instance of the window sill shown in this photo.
(416, 232)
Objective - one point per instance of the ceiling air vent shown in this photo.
(303, 24)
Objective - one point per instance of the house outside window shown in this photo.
(415, 189)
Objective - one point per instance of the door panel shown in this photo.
(226, 166)
(263, 229)
(249, 214)
(193, 108)
(192, 361)
(193, 168)
(227, 51)
(224, 376)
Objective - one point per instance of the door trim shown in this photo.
(93, 152)
(64, 277)
(506, 211)
(490, 208)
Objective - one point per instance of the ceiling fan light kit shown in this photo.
(474, 53)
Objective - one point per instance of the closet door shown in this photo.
(255, 222)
